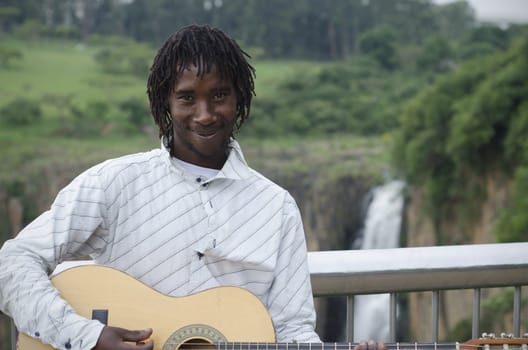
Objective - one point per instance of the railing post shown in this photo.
(13, 335)
(350, 319)
(517, 312)
(434, 313)
(476, 314)
(392, 318)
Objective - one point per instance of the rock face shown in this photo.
(456, 306)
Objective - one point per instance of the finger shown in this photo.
(137, 335)
(148, 345)
(371, 345)
(362, 345)
(381, 346)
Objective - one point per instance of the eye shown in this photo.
(220, 95)
(185, 98)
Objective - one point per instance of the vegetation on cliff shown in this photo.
(469, 124)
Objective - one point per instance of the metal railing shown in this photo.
(356, 272)
(475, 266)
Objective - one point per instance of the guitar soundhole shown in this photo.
(196, 344)
(194, 337)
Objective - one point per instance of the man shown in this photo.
(184, 218)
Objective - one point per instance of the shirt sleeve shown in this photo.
(290, 301)
(73, 227)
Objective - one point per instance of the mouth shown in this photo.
(206, 134)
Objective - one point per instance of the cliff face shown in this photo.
(455, 306)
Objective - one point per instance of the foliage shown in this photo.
(125, 57)
(462, 330)
(513, 221)
(9, 55)
(137, 111)
(21, 111)
(379, 44)
(352, 97)
(327, 30)
(495, 308)
(436, 54)
(468, 124)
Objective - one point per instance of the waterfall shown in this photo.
(381, 229)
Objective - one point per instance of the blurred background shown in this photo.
(392, 122)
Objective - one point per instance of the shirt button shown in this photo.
(198, 179)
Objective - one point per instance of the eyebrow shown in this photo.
(222, 88)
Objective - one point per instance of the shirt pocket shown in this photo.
(253, 271)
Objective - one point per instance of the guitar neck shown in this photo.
(485, 344)
(341, 346)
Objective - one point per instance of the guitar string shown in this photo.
(350, 346)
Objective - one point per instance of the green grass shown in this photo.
(270, 73)
(54, 69)
(60, 69)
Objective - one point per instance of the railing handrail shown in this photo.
(372, 271)
(353, 272)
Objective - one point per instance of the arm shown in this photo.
(291, 301)
(72, 227)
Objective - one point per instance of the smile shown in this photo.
(206, 135)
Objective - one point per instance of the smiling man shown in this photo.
(182, 219)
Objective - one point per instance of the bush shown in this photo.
(21, 111)
(8, 56)
(379, 43)
(126, 58)
(136, 111)
(83, 120)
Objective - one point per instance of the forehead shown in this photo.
(193, 74)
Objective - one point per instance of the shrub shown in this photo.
(21, 111)
(8, 56)
(136, 111)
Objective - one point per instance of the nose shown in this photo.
(204, 113)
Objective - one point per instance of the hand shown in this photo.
(370, 345)
(114, 338)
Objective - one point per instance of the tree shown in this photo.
(436, 54)
(379, 43)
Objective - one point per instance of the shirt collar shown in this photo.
(235, 167)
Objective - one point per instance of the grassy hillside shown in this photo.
(80, 119)
(53, 68)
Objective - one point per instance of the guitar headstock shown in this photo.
(506, 341)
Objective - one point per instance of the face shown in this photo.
(203, 111)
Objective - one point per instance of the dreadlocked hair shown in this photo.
(204, 47)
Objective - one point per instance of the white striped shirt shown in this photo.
(176, 232)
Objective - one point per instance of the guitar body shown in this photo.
(219, 314)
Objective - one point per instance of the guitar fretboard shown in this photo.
(330, 346)
(355, 346)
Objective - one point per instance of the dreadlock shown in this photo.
(203, 47)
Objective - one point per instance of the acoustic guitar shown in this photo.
(224, 318)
